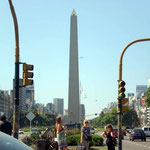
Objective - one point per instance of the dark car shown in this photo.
(10, 143)
(137, 134)
(35, 131)
(115, 133)
(124, 132)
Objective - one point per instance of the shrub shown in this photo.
(97, 140)
(73, 131)
(27, 140)
(73, 140)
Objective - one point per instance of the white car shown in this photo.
(21, 131)
(146, 129)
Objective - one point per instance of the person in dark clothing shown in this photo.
(109, 135)
(5, 126)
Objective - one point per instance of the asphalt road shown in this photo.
(135, 145)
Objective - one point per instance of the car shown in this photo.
(146, 129)
(124, 132)
(35, 131)
(115, 133)
(11, 143)
(92, 130)
(137, 134)
(21, 131)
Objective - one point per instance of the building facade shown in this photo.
(58, 106)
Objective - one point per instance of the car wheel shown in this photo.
(141, 139)
(132, 139)
(145, 139)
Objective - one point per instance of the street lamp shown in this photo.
(120, 79)
(16, 96)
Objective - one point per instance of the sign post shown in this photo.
(30, 116)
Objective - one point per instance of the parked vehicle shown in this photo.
(35, 131)
(124, 132)
(115, 133)
(21, 131)
(137, 134)
(10, 143)
(146, 129)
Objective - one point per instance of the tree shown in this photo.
(130, 118)
(148, 97)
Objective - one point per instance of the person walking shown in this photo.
(60, 134)
(5, 126)
(85, 134)
(109, 135)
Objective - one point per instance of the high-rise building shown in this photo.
(22, 96)
(5, 104)
(50, 107)
(73, 97)
(30, 97)
(130, 94)
(58, 105)
(140, 89)
(82, 112)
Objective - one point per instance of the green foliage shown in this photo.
(39, 120)
(97, 140)
(148, 97)
(74, 140)
(28, 140)
(111, 118)
(73, 131)
(130, 118)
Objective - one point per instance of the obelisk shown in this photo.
(73, 97)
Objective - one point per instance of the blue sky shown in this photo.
(105, 27)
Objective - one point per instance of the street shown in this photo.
(136, 144)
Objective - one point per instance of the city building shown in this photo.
(73, 97)
(22, 96)
(82, 112)
(58, 105)
(30, 97)
(140, 89)
(50, 108)
(5, 104)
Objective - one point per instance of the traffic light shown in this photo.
(122, 96)
(36, 112)
(122, 89)
(26, 74)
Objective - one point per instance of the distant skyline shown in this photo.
(104, 29)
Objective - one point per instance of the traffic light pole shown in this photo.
(16, 96)
(119, 100)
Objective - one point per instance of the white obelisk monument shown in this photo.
(73, 98)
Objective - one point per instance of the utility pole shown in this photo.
(120, 100)
(16, 96)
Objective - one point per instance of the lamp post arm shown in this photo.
(121, 56)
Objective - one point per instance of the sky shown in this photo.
(105, 27)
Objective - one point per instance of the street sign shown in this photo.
(124, 101)
(124, 108)
(30, 116)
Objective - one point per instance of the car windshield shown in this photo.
(145, 129)
(138, 130)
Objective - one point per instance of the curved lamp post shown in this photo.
(120, 78)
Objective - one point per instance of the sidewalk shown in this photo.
(92, 148)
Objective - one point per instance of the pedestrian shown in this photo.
(109, 135)
(60, 134)
(85, 134)
(5, 126)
